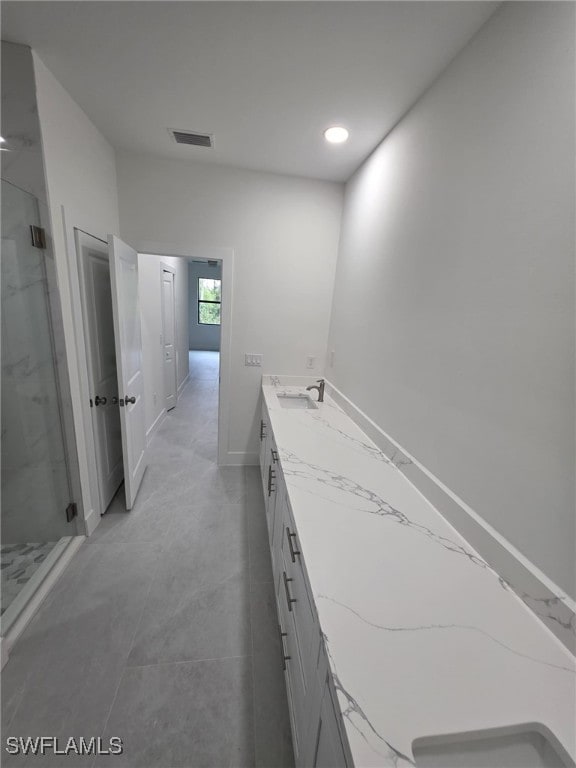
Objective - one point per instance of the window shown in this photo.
(209, 298)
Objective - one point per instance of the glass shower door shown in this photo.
(34, 472)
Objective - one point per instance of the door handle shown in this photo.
(271, 477)
(293, 552)
(100, 400)
(282, 651)
(289, 599)
(129, 399)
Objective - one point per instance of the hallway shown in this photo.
(162, 631)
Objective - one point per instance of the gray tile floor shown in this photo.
(162, 631)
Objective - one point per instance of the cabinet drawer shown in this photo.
(295, 594)
(329, 751)
(295, 690)
(274, 486)
(279, 516)
(274, 518)
(265, 431)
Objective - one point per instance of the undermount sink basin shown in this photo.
(302, 402)
(502, 748)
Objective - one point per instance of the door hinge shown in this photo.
(71, 511)
(38, 236)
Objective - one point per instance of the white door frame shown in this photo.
(79, 377)
(79, 235)
(226, 457)
(167, 268)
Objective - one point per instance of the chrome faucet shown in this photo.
(320, 389)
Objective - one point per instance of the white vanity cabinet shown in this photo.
(264, 438)
(316, 735)
(269, 467)
(342, 671)
(328, 747)
(293, 590)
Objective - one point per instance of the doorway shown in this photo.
(97, 315)
(205, 304)
(169, 336)
(223, 257)
(205, 319)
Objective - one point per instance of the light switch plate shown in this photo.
(310, 361)
(252, 360)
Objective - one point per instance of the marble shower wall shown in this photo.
(22, 165)
(35, 405)
(35, 489)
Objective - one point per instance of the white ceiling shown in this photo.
(266, 78)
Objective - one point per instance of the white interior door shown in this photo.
(96, 293)
(128, 338)
(168, 337)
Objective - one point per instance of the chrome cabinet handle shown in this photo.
(289, 599)
(262, 430)
(282, 651)
(129, 399)
(293, 552)
(100, 400)
(271, 477)
(274, 456)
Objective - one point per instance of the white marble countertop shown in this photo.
(423, 637)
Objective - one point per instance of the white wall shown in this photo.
(453, 316)
(80, 177)
(202, 336)
(284, 232)
(150, 294)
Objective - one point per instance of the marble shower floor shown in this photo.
(163, 631)
(18, 563)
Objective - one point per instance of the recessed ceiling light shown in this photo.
(336, 135)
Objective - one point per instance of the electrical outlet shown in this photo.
(253, 360)
(310, 361)
(332, 353)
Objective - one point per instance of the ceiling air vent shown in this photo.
(192, 139)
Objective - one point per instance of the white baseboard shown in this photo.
(40, 593)
(183, 384)
(151, 431)
(211, 348)
(91, 521)
(239, 459)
